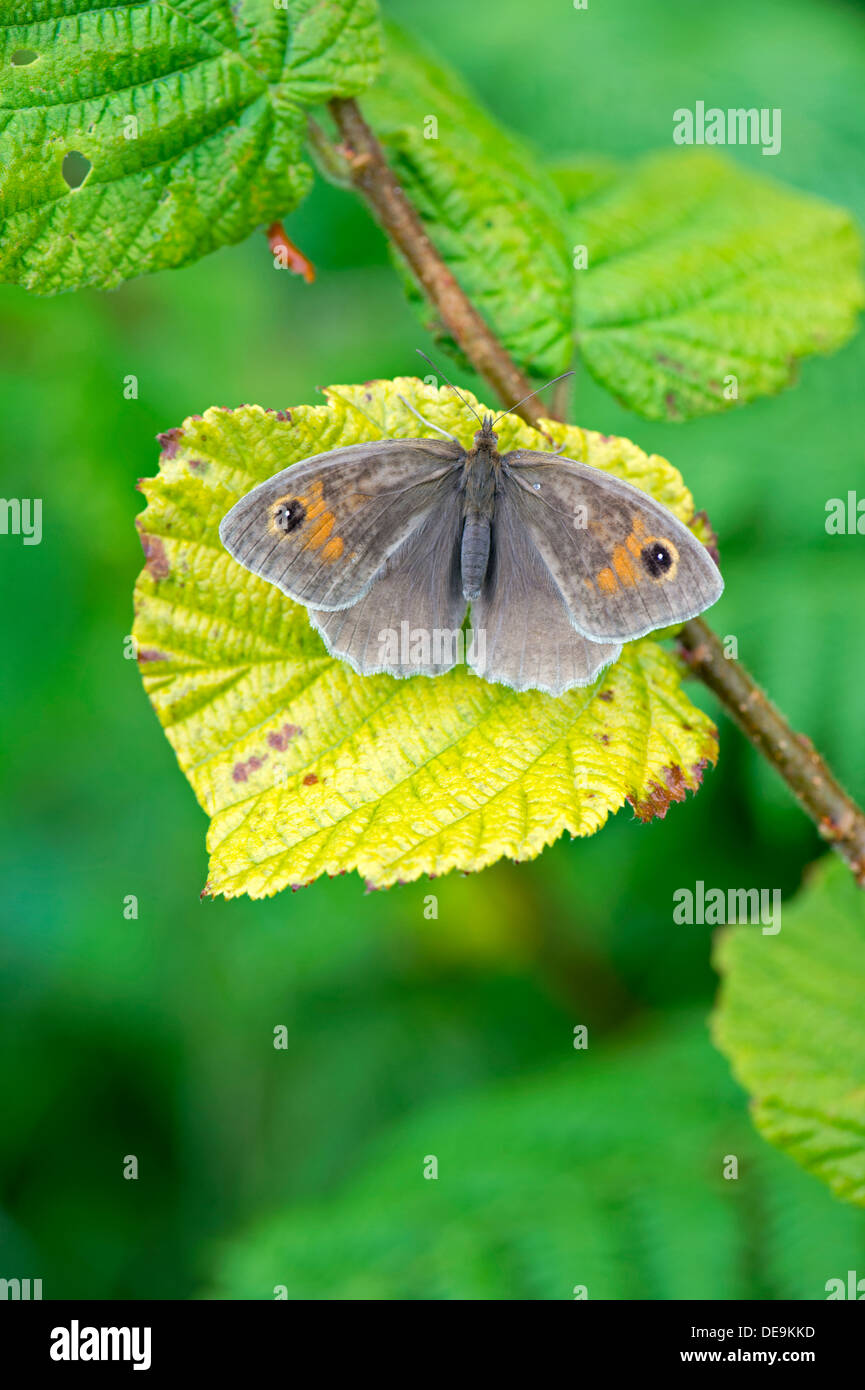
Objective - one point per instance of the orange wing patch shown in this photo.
(638, 558)
(636, 540)
(624, 566)
(296, 513)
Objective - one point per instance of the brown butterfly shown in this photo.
(388, 543)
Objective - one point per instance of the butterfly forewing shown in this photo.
(624, 564)
(321, 529)
(409, 622)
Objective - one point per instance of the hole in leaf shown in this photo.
(75, 169)
(23, 56)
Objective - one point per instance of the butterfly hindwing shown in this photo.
(523, 635)
(320, 530)
(624, 564)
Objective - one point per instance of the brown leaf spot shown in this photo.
(152, 654)
(170, 442)
(606, 695)
(676, 782)
(156, 564)
(310, 779)
(241, 771)
(675, 788)
(281, 738)
(198, 465)
(669, 362)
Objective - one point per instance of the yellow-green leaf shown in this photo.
(306, 768)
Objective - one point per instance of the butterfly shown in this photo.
(388, 544)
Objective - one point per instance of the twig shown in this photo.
(372, 177)
(838, 819)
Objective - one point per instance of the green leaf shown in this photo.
(306, 768)
(189, 114)
(492, 213)
(790, 1019)
(697, 271)
(604, 1171)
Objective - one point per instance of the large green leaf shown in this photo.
(305, 767)
(191, 115)
(494, 215)
(791, 1020)
(605, 1172)
(696, 270)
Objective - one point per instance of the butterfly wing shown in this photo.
(408, 623)
(523, 635)
(623, 562)
(321, 529)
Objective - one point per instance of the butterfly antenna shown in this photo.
(425, 421)
(451, 385)
(536, 392)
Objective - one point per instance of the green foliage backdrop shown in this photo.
(154, 1035)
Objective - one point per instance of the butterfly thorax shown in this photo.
(481, 468)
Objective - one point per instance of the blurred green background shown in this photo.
(408, 1037)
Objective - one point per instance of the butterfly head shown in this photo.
(486, 437)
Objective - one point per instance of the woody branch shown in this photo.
(837, 817)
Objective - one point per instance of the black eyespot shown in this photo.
(657, 558)
(288, 515)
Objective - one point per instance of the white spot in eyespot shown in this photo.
(536, 487)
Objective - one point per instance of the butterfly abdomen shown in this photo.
(474, 554)
(482, 465)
